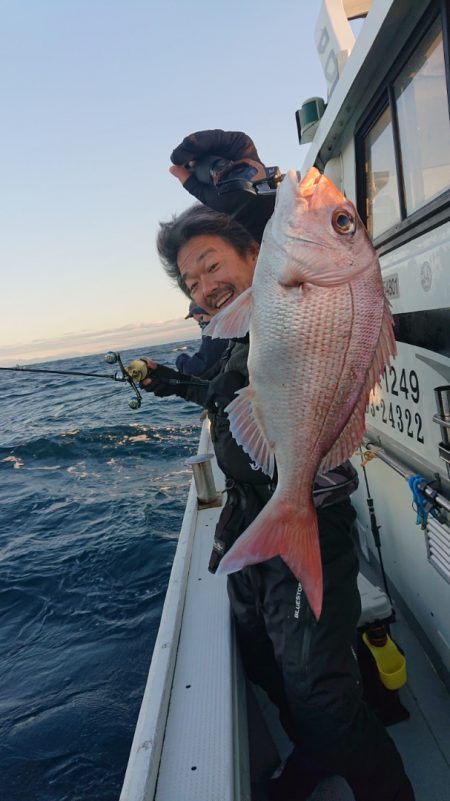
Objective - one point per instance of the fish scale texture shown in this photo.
(309, 357)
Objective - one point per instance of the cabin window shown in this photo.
(424, 131)
(382, 206)
(405, 142)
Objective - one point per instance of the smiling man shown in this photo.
(307, 667)
(214, 272)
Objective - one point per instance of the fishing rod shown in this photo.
(111, 358)
(135, 372)
(19, 368)
(139, 370)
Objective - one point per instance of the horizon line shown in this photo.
(91, 343)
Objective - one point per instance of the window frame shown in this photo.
(437, 210)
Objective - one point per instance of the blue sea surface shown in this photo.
(92, 496)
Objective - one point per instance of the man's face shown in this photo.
(214, 272)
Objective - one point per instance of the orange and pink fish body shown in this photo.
(321, 332)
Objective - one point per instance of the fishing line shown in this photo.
(72, 407)
(69, 407)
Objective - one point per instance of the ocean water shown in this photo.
(92, 496)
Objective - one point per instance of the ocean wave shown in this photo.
(92, 497)
(105, 443)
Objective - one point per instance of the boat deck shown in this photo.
(202, 737)
(423, 740)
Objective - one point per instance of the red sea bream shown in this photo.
(320, 334)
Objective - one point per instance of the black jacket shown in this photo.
(214, 393)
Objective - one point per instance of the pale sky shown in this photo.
(95, 96)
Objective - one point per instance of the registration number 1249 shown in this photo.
(394, 402)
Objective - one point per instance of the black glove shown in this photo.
(233, 145)
(164, 381)
(252, 211)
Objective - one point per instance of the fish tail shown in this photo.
(282, 530)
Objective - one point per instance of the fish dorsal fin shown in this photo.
(234, 321)
(353, 431)
(248, 433)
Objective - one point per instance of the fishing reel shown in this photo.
(245, 175)
(126, 375)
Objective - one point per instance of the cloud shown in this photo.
(90, 342)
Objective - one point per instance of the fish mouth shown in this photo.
(308, 183)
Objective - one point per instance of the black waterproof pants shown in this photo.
(309, 668)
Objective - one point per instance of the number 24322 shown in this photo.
(405, 388)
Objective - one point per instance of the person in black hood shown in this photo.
(209, 351)
(307, 667)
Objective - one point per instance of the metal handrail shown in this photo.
(404, 471)
(441, 420)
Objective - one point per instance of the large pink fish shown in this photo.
(320, 334)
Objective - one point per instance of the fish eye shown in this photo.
(343, 222)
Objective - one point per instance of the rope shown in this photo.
(367, 456)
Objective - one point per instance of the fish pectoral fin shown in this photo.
(386, 349)
(248, 433)
(282, 530)
(234, 320)
(353, 431)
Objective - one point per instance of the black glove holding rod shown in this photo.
(164, 381)
(205, 163)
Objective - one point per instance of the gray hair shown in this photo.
(198, 220)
